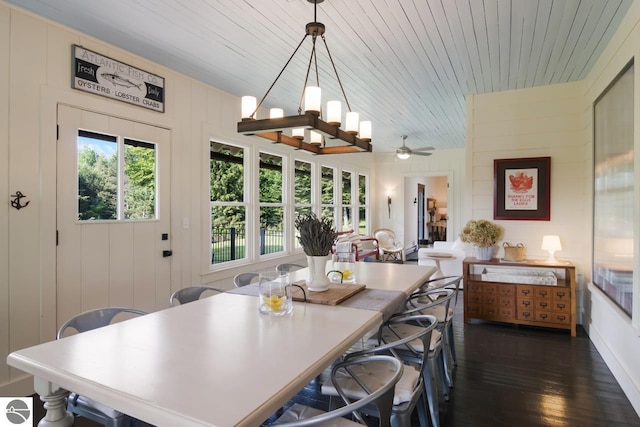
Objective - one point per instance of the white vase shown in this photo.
(318, 280)
(483, 253)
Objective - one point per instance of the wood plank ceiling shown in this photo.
(406, 65)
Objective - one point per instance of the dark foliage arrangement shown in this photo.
(316, 234)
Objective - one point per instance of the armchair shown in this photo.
(390, 248)
(360, 245)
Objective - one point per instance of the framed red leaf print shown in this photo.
(522, 189)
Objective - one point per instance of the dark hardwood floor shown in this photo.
(520, 377)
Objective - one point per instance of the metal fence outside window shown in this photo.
(229, 243)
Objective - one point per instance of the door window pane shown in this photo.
(97, 176)
(139, 180)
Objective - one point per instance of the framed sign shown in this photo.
(104, 76)
(522, 189)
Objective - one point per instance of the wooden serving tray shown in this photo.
(336, 293)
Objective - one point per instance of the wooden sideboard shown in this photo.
(495, 297)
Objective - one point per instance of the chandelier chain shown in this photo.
(278, 76)
(335, 71)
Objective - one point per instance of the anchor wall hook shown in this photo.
(16, 202)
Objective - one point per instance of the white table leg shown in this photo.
(55, 403)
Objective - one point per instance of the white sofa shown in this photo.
(449, 266)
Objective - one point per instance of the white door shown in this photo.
(113, 207)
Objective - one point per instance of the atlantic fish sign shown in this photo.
(104, 76)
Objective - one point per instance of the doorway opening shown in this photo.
(427, 210)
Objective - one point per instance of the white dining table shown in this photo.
(213, 362)
(383, 276)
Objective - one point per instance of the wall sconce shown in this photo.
(389, 204)
(415, 200)
(552, 244)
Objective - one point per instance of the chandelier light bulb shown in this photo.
(404, 156)
(312, 99)
(335, 133)
(297, 133)
(353, 120)
(248, 107)
(334, 113)
(276, 113)
(365, 130)
(316, 138)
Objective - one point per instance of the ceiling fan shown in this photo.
(405, 152)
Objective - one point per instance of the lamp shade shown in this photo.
(403, 156)
(312, 99)
(353, 121)
(276, 113)
(297, 133)
(551, 243)
(316, 137)
(334, 112)
(365, 130)
(248, 106)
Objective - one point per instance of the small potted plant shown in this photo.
(483, 235)
(317, 237)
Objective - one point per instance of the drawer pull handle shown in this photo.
(543, 293)
(543, 316)
(525, 292)
(561, 318)
(561, 306)
(526, 303)
(543, 304)
(560, 294)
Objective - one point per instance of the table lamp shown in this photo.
(552, 244)
(443, 213)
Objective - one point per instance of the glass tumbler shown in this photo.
(275, 294)
(344, 263)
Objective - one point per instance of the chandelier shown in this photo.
(309, 130)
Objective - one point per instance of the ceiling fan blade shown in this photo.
(418, 153)
(423, 149)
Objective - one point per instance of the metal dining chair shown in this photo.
(444, 313)
(191, 294)
(350, 373)
(437, 382)
(243, 279)
(81, 405)
(287, 267)
(409, 392)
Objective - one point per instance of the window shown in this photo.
(613, 191)
(252, 212)
(116, 178)
(228, 206)
(271, 183)
(347, 202)
(363, 206)
(302, 188)
(327, 194)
